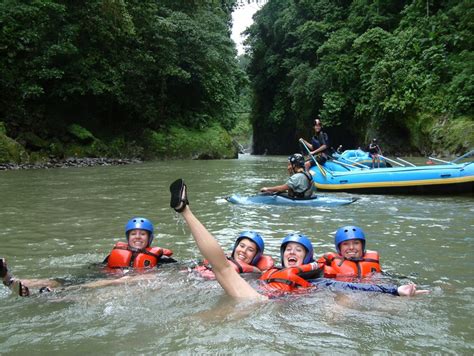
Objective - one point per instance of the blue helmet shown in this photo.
(254, 237)
(302, 240)
(347, 233)
(140, 223)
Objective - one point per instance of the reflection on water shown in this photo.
(59, 223)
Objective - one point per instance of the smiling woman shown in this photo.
(139, 233)
(137, 253)
(296, 250)
(138, 238)
(246, 257)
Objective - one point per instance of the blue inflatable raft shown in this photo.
(449, 178)
(358, 158)
(315, 201)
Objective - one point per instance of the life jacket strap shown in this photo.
(239, 267)
(281, 280)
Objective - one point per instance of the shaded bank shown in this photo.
(70, 162)
(212, 142)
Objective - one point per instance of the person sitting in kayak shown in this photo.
(374, 152)
(352, 260)
(246, 257)
(136, 253)
(319, 145)
(297, 259)
(300, 183)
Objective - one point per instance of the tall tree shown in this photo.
(367, 67)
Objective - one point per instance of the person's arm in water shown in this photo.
(407, 290)
(232, 283)
(118, 281)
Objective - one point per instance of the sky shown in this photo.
(241, 19)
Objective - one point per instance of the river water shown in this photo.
(60, 223)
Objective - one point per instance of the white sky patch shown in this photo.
(241, 19)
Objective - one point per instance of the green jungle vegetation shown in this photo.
(158, 79)
(398, 70)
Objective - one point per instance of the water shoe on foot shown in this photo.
(179, 198)
(19, 288)
(3, 268)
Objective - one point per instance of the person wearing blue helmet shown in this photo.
(296, 249)
(248, 247)
(298, 266)
(136, 253)
(288, 278)
(300, 183)
(352, 259)
(145, 229)
(347, 235)
(246, 257)
(354, 262)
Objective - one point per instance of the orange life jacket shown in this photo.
(123, 256)
(290, 278)
(336, 266)
(265, 263)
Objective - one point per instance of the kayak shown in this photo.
(284, 200)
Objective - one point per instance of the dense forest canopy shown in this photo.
(115, 67)
(161, 78)
(400, 70)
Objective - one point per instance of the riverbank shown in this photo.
(70, 162)
(30, 151)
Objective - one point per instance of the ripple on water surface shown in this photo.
(61, 223)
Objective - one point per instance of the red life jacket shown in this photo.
(336, 266)
(122, 255)
(265, 263)
(290, 278)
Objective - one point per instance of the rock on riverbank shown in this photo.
(70, 162)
